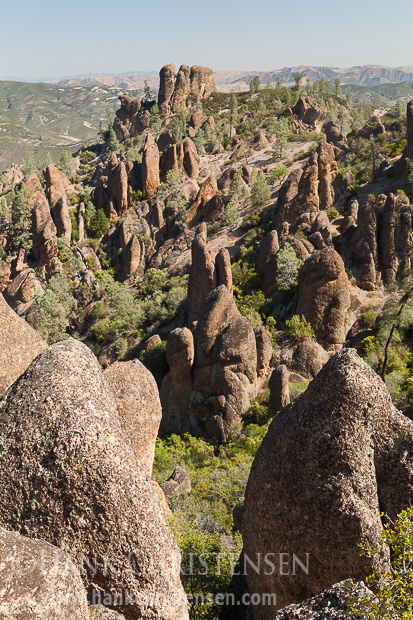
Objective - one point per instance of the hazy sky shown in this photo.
(54, 38)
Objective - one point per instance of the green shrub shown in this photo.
(332, 213)
(369, 318)
(75, 227)
(99, 223)
(260, 191)
(299, 328)
(101, 330)
(393, 588)
(54, 309)
(288, 266)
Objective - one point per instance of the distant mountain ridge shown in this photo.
(366, 75)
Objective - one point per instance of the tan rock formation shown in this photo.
(95, 499)
(330, 464)
(38, 581)
(324, 297)
(139, 407)
(150, 166)
(19, 345)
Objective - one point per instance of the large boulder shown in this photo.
(73, 478)
(19, 345)
(310, 113)
(38, 581)
(139, 407)
(324, 297)
(23, 288)
(332, 462)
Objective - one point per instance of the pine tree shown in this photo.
(21, 221)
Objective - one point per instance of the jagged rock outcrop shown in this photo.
(177, 484)
(332, 604)
(61, 218)
(71, 476)
(177, 91)
(13, 175)
(139, 407)
(43, 227)
(199, 208)
(330, 464)
(279, 390)
(214, 373)
(130, 119)
(19, 345)
(117, 184)
(223, 269)
(377, 240)
(308, 190)
(38, 581)
(56, 184)
(395, 237)
(337, 138)
(23, 288)
(5, 271)
(324, 297)
(202, 277)
(165, 140)
(150, 166)
(166, 87)
(368, 131)
(310, 112)
(188, 158)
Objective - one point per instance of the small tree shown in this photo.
(260, 191)
(65, 163)
(298, 79)
(281, 129)
(337, 87)
(288, 266)
(21, 221)
(112, 141)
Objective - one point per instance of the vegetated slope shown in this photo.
(40, 118)
(381, 95)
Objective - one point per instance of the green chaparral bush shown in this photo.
(393, 589)
(54, 309)
(288, 266)
(299, 328)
